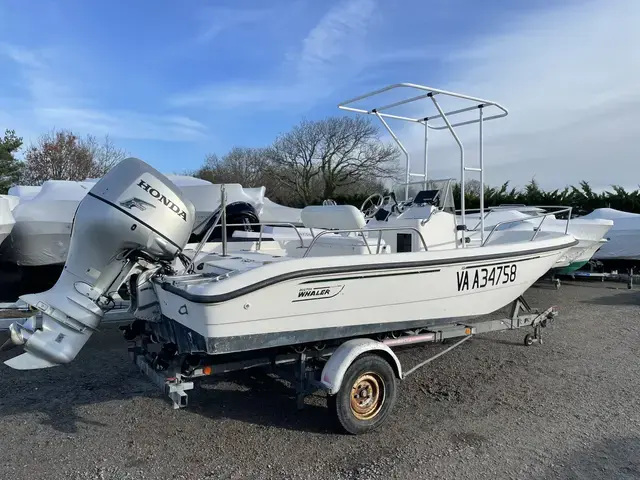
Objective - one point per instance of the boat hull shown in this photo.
(312, 305)
(580, 256)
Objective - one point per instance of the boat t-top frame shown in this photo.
(427, 120)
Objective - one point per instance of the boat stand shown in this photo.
(306, 370)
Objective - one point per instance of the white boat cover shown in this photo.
(6, 217)
(186, 180)
(43, 223)
(24, 192)
(623, 238)
(274, 212)
(12, 200)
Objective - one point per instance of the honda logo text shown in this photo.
(162, 199)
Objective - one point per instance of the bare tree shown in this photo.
(62, 155)
(294, 160)
(353, 152)
(105, 155)
(337, 156)
(241, 165)
(249, 167)
(330, 155)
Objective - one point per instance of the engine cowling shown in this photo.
(134, 212)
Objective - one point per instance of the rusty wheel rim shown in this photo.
(367, 396)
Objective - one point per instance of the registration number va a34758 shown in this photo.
(473, 279)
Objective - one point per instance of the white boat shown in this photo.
(351, 279)
(623, 240)
(42, 230)
(24, 192)
(590, 232)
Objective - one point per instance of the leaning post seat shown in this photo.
(338, 217)
(333, 217)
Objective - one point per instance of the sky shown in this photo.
(171, 82)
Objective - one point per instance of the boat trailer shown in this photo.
(359, 374)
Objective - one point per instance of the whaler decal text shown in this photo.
(162, 199)
(317, 293)
(486, 277)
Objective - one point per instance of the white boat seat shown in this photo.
(333, 245)
(333, 217)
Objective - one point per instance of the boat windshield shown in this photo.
(437, 192)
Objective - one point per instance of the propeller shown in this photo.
(15, 335)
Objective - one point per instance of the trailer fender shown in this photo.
(337, 365)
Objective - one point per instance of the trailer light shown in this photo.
(207, 370)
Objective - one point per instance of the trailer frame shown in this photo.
(316, 368)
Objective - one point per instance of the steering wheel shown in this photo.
(371, 209)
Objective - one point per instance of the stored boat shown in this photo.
(332, 292)
(623, 240)
(7, 204)
(590, 232)
(42, 230)
(24, 192)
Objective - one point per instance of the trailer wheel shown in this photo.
(528, 340)
(367, 395)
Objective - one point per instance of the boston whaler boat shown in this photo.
(322, 305)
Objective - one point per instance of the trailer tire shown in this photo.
(367, 395)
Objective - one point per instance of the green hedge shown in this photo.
(582, 198)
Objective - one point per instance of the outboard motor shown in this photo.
(133, 214)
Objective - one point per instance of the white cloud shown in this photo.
(219, 19)
(568, 76)
(331, 54)
(118, 124)
(336, 41)
(52, 99)
(21, 55)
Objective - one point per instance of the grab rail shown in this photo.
(270, 224)
(506, 207)
(362, 231)
(543, 216)
(261, 224)
(205, 238)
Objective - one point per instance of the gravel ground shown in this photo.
(492, 408)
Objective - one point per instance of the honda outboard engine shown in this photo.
(133, 214)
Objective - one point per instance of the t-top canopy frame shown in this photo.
(431, 93)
